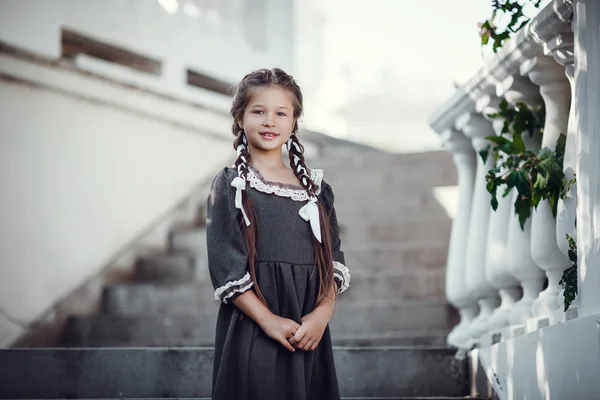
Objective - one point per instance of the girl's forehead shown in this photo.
(271, 95)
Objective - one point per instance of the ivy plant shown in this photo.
(535, 176)
(569, 276)
(514, 11)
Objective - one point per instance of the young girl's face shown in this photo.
(268, 120)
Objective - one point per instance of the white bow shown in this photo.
(240, 184)
(310, 212)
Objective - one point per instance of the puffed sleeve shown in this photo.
(341, 274)
(227, 253)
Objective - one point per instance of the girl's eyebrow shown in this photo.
(260, 105)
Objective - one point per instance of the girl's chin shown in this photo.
(268, 144)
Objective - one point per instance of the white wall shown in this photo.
(213, 40)
(78, 181)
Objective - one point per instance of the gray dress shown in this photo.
(248, 364)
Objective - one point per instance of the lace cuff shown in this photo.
(233, 288)
(342, 274)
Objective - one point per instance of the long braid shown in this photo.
(323, 253)
(251, 232)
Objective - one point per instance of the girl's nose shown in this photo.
(268, 120)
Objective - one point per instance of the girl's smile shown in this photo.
(268, 135)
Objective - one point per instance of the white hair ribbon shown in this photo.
(240, 184)
(296, 159)
(310, 213)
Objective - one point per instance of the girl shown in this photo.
(274, 254)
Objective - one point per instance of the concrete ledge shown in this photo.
(187, 372)
(561, 361)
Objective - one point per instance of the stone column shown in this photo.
(519, 261)
(586, 28)
(478, 128)
(496, 267)
(555, 90)
(561, 47)
(464, 158)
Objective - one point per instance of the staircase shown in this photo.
(153, 336)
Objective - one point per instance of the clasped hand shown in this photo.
(291, 335)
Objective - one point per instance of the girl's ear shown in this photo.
(240, 124)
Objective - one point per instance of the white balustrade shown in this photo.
(554, 60)
(478, 128)
(587, 104)
(555, 91)
(561, 47)
(519, 261)
(496, 267)
(464, 158)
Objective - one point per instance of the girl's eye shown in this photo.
(257, 112)
(281, 114)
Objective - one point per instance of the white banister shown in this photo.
(561, 47)
(478, 128)
(496, 267)
(555, 91)
(586, 30)
(519, 261)
(464, 158)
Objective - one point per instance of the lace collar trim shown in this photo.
(294, 192)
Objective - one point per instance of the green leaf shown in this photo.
(567, 188)
(518, 145)
(499, 140)
(523, 210)
(522, 182)
(484, 153)
(541, 181)
(560, 148)
(485, 38)
(494, 202)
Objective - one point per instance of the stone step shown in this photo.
(191, 240)
(161, 267)
(150, 299)
(388, 211)
(187, 372)
(401, 234)
(342, 398)
(380, 160)
(400, 284)
(401, 195)
(425, 256)
(149, 330)
(426, 337)
(375, 318)
(429, 175)
(353, 322)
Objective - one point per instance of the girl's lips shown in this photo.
(268, 135)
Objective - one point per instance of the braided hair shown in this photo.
(323, 249)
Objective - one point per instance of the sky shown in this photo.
(387, 65)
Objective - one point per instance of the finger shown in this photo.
(298, 336)
(304, 342)
(308, 345)
(292, 340)
(315, 345)
(286, 344)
